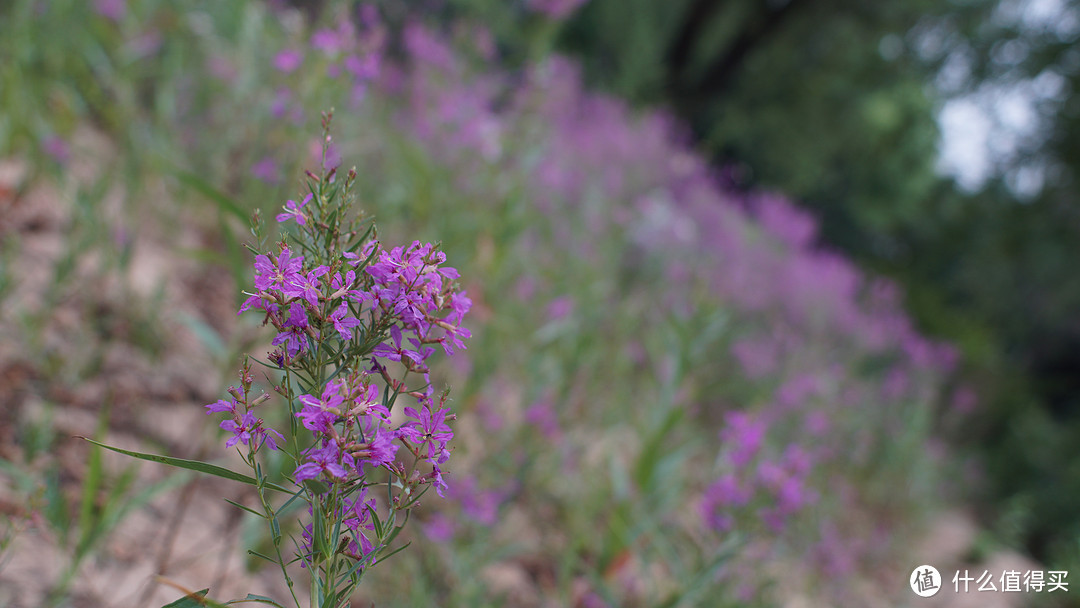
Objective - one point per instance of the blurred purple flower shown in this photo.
(542, 415)
(111, 9)
(266, 170)
(965, 400)
(743, 435)
(439, 528)
(288, 60)
(56, 147)
(281, 102)
(560, 307)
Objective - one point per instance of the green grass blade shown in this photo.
(223, 201)
(91, 485)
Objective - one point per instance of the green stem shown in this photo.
(274, 534)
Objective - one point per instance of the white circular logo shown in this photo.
(925, 581)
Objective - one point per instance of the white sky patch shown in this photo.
(984, 133)
(1040, 16)
(964, 151)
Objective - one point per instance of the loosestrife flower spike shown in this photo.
(356, 326)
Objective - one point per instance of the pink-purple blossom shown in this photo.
(288, 60)
(427, 429)
(324, 461)
(294, 211)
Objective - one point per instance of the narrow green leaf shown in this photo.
(394, 533)
(395, 552)
(57, 510)
(375, 521)
(189, 601)
(647, 460)
(320, 544)
(195, 600)
(207, 335)
(248, 509)
(275, 530)
(260, 555)
(191, 465)
(261, 599)
(223, 201)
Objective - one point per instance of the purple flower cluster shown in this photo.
(245, 427)
(354, 435)
(351, 428)
(777, 487)
(403, 290)
(353, 321)
(411, 286)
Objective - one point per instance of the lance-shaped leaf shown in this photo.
(192, 465)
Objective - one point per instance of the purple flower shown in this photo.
(392, 353)
(369, 409)
(256, 301)
(425, 47)
(343, 323)
(363, 68)
(247, 429)
(356, 516)
(453, 338)
(460, 304)
(295, 336)
(222, 405)
(322, 460)
(280, 273)
(437, 481)
(111, 9)
(307, 285)
(266, 170)
(380, 448)
(722, 494)
(57, 148)
(320, 414)
(428, 429)
(744, 435)
(337, 283)
(288, 60)
(328, 41)
(293, 211)
(439, 528)
(280, 103)
(543, 416)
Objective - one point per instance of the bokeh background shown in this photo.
(773, 300)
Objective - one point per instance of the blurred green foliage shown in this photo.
(834, 102)
(637, 389)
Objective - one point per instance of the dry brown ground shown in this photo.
(155, 399)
